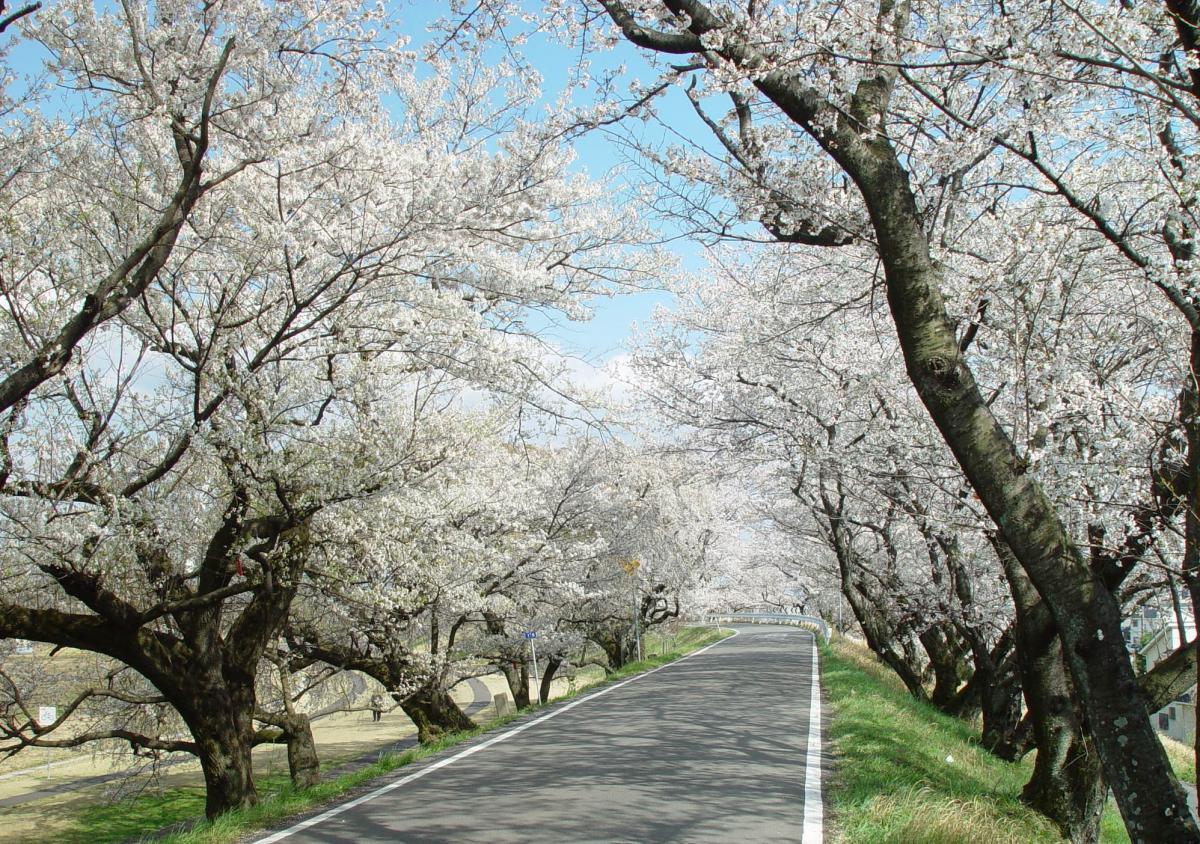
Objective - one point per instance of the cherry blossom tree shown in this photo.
(777, 360)
(614, 536)
(656, 515)
(392, 592)
(250, 362)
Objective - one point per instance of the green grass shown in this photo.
(147, 814)
(116, 822)
(892, 780)
(906, 773)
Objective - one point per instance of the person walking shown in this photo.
(376, 707)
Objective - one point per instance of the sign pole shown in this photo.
(637, 620)
(536, 683)
(531, 637)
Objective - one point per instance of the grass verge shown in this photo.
(1183, 759)
(907, 773)
(142, 818)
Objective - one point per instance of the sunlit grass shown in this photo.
(127, 819)
(906, 773)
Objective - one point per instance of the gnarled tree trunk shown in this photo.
(224, 755)
(944, 648)
(293, 729)
(434, 712)
(617, 648)
(221, 721)
(1006, 733)
(304, 765)
(891, 645)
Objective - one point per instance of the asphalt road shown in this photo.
(712, 748)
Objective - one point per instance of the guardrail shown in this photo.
(809, 622)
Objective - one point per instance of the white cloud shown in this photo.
(614, 379)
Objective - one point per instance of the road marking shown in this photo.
(814, 809)
(471, 751)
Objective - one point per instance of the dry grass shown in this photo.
(1183, 759)
(925, 815)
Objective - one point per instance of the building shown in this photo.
(1144, 623)
(1178, 718)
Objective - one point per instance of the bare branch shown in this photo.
(8, 20)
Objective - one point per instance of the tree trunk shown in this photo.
(1006, 733)
(879, 639)
(1066, 785)
(997, 681)
(553, 663)
(223, 742)
(884, 640)
(435, 713)
(304, 766)
(618, 650)
(945, 661)
(294, 730)
(516, 672)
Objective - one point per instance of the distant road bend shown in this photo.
(713, 748)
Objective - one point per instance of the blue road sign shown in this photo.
(530, 634)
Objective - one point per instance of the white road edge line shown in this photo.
(471, 751)
(814, 808)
